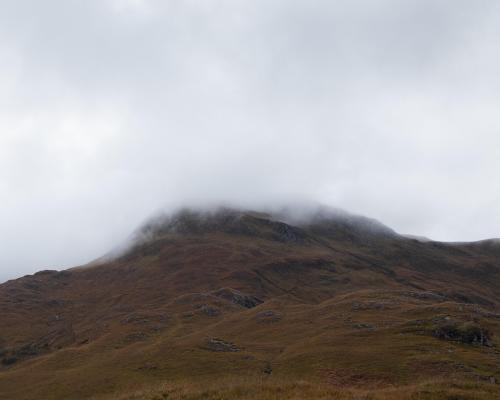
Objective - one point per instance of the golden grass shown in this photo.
(347, 328)
(271, 388)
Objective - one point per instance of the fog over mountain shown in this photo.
(114, 109)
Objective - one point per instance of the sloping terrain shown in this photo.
(237, 304)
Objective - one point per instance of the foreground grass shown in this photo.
(283, 389)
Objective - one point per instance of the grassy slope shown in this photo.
(340, 319)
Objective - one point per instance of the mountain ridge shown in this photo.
(194, 293)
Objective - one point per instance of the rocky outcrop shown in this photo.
(467, 333)
(237, 297)
(219, 345)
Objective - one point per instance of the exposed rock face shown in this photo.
(209, 310)
(467, 333)
(236, 297)
(219, 345)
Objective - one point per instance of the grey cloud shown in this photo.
(113, 109)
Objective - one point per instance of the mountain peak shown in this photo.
(190, 221)
(203, 285)
(289, 223)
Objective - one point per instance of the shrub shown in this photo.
(468, 333)
(473, 333)
(9, 360)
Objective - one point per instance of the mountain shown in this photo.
(231, 303)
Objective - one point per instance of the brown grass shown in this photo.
(259, 388)
(339, 319)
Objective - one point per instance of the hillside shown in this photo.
(244, 304)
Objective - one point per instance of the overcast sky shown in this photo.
(112, 109)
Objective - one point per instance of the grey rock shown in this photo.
(219, 345)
